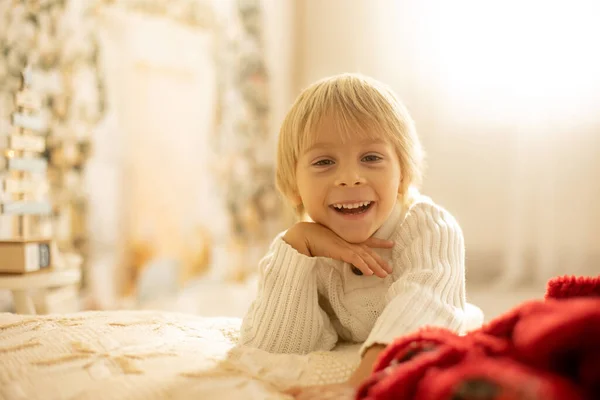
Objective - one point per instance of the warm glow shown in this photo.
(520, 57)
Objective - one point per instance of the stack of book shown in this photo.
(25, 209)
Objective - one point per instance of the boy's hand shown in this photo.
(316, 240)
(339, 391)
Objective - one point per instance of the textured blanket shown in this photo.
(149, 355)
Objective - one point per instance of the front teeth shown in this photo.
(351, 206)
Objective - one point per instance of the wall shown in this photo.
(279, 18)
(149, 181)
(521, 182)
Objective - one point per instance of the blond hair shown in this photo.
(358, 105)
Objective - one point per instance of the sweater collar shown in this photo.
(389, 226)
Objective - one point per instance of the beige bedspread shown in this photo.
(149, 355)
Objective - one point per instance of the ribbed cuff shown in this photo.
(288, 264)
(286, 316)
(391, 325)
(374, 339)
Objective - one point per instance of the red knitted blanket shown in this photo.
(541, 350)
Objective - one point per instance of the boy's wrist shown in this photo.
(296, 237)
(365, 368)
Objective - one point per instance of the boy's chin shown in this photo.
(354, 237)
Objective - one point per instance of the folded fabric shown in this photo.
(542, 349)
(558, 335)
(403, 365)
(563, 336)
(429, 370)
(477, 378)
(562, 287)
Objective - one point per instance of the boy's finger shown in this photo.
(293, 391)
(380, 261)
(351, 257)
(380, 243)
(373, 264)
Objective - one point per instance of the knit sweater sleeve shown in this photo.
(286, 316)
(430, 286)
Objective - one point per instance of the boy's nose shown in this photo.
(349, 179)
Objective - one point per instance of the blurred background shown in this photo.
(164, 116)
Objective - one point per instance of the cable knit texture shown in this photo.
(306, 304)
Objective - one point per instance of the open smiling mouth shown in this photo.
(353, 208)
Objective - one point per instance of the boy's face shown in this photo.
(350, 187)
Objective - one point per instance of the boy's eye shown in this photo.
(371, 158)
(324, 162)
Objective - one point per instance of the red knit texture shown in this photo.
(543, 349)
(563, 287)
(564, 338)
(495, 378)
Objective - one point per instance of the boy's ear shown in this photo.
(295, 198)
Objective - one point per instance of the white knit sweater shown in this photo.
(306, 304)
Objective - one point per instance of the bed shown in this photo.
(154, 355)
(149, 355)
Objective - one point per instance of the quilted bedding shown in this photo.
(149, 355)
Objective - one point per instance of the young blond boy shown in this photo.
(377, 260)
